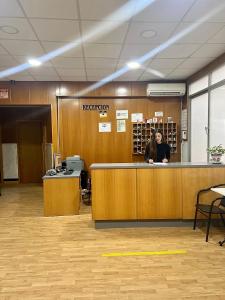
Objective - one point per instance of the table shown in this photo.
(220, 191)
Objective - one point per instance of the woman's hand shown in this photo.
(150, 161)
(165, 160)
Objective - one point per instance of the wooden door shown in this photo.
(30, 154)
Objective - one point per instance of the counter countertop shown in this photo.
(75, 174)
(154, 166)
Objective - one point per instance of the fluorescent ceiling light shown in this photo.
(9, 29)
(133, 65)
(148, 34)
(34, 62)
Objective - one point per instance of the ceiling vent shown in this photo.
(166, 89)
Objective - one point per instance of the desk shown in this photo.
(139, 191)
(62, 194)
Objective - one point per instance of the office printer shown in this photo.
(74, 163)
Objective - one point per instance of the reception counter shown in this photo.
(139, 191)
(62, 194)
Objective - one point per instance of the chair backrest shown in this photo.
(222, 203)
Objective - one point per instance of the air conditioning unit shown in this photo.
(166, 89)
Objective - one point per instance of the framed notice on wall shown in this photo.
(4, 93)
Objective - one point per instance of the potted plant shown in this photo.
(216, 153)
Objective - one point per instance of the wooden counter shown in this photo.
(140, 191)
(61, 195)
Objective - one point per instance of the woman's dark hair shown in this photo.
(159, 131)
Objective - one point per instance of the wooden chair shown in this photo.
(216, 207)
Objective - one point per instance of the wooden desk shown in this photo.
(139, 191)
(62, 195)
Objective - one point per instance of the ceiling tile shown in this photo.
(102, 50)
(25, 48)
(182, 73)
(73, 78)
(51, 46)
(165, 11)
(68, 62)
(21, 77)
(94, 78)
(24, 29)
(199, 35)
(99, 72)
(116, 36)
(2, 50)
(159, 74)
(130, 76)
(43, 71)
(164, 63)
(57, 30)
(98, 9)
(131, 51)
(95, 63)
(10, 8)
(162, 32)
(59, 9)
(46, 77)
(210, 50)
(70, 72)
(178, 51)
(219, 37)
(197, 62)
(203, 7)
(7, 61)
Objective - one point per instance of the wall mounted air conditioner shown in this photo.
(166, 89)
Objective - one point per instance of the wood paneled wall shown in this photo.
(79, 129)
(79, 132)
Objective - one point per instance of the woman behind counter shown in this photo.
(157, 150)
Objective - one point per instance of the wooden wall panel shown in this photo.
(69, 127)
(39, 93)
(79, 130)
(79, 133)
(20, 93)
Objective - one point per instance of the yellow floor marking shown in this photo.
(167, 252)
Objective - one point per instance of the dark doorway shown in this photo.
(28, 129)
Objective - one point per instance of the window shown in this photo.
(199, 85)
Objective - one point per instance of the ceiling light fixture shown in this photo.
(148, 34)
(133, 65)
(121, 91)
(9, 29)
(34, 62)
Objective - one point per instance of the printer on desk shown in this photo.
(74, 163)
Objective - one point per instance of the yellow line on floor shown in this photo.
(167, 252)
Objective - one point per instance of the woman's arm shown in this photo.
(147, 153)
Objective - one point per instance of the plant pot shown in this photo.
(216, 158)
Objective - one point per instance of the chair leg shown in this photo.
(195, 221)
(208, 226)
(222, 218)
(222, 242)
